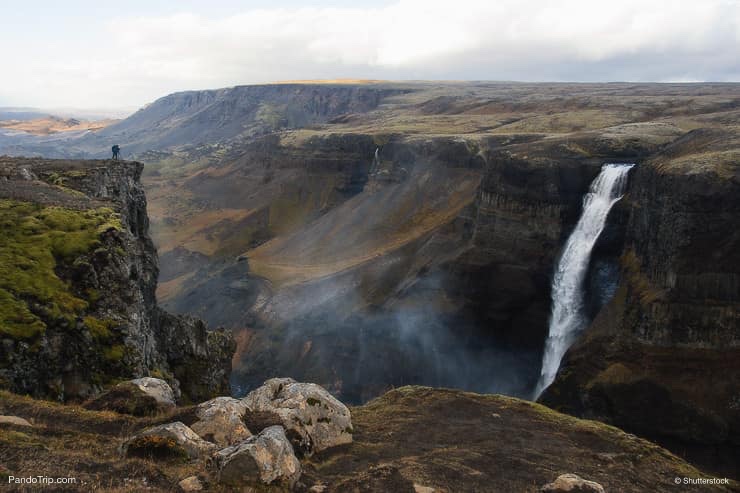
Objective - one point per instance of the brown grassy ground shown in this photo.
(448, 440)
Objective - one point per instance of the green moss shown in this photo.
(114, 353)
(313, 402)
(34, 241)
(55, 179)
(93, 295)
(99, 329)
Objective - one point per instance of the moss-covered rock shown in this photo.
(36, 240)
(78, 273)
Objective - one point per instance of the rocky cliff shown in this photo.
(386, 234)
(78, 287)
(661, 359)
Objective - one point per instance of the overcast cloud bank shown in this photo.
(139, 59)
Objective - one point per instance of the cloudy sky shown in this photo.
(93, 54)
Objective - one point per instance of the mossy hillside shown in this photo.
(34, 241)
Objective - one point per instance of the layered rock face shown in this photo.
(89, 315)
(662, 359)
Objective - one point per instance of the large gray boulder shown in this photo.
(171, 440)
(313, 419)
(220, 421)
(263, 459)
(158, 389)
(570, 483)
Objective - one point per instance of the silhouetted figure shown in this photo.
(116, 151)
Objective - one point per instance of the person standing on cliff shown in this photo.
(116, 151)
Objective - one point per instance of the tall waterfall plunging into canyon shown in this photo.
(567, 318)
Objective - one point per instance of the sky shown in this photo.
(104, 55)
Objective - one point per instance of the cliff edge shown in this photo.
(77, 285)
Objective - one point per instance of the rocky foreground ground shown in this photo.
(291, 436)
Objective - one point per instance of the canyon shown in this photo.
(369, 236)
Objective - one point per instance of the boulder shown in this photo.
(157, 388)
(171, 440)
(263, 459)
(126, 398)
(313, 419)
(220, 421)
(570, 483)
(191, 483)
(14, 420)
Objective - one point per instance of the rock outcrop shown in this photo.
(170, 440)
(145, 396)
(221, 421)
(126, 398)
(313, 419)
(263, 459)
(662, 359)
(158, 389)
(78, 287)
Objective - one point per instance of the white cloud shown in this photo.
(462, 39)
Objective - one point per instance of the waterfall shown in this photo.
(567, 318)
(376, 161)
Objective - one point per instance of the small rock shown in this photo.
(167, 441)
(191, 483)
(14, 420)
(267, 458)
(313, 419)
(221, 421)
(157, 388)
(570, 483)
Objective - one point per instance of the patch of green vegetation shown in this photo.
(313, 402)
(271, 115)
(99, 329)
(93, 295)
(34, 240)
(59, 180)
(114, 353)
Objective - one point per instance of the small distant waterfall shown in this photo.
(567, 318)
(376, 161)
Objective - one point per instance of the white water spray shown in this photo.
(567, 318)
